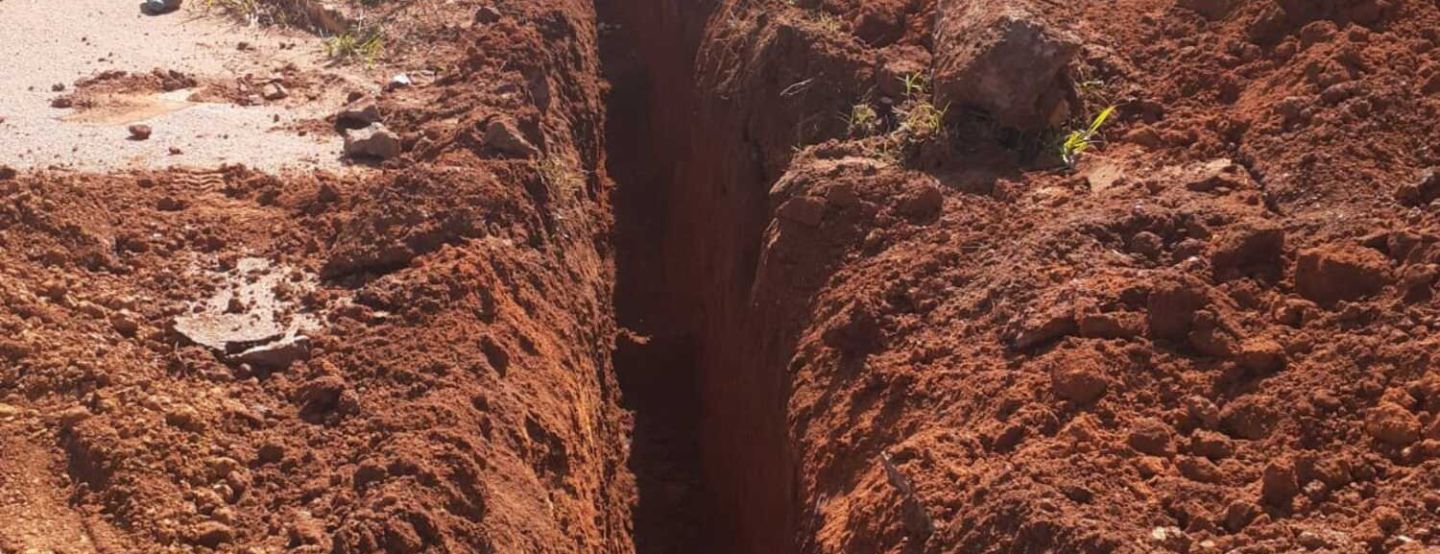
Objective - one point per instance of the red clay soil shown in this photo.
(831, 332)
(457, 395)
(1213, 336)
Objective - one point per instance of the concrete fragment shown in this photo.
(277, 355)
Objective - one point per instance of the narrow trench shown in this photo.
(705, 462)
(655, 364)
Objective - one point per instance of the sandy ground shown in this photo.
(49, 43)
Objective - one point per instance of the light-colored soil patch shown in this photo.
(58, 44)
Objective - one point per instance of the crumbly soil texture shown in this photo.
(748, 276)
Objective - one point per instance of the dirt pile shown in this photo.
(856, 296)
(395, 361)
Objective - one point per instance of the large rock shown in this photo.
(1003, 58)
(374, 141)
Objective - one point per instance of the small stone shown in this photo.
(1172, 539)
(139, 132)
(502, 136)
(62, 102)
(374, 141)
(57, 87)
(399, 81)
(273, 91)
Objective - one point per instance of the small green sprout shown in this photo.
(1080, 140)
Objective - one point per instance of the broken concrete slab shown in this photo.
(276, 355)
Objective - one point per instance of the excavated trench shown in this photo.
(710, 451)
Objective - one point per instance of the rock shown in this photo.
(72, 416)
(62, 102)
(502, 136)
(7, 173)
(399, 81)
(486, 15)
(1152, 436)
(1341, 272)
(276, 355)
(212, 534)
(1217, 174)
(1423, 190)
(1172, 539)
(1261, 356)
(1078, 383)
(1004, 59)
(374, 141)
(139, 132)
(1278, 483)
(358, 114)
(273, 91)
(1392, 424)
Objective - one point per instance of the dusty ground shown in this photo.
(744, 277)
(88, 38)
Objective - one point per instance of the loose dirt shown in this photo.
(86, 44)
(731, 276)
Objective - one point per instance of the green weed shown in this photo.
(366, 46)
(1080, 140)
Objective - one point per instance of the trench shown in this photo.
(710, 447)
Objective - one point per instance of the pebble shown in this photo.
(140, 132)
